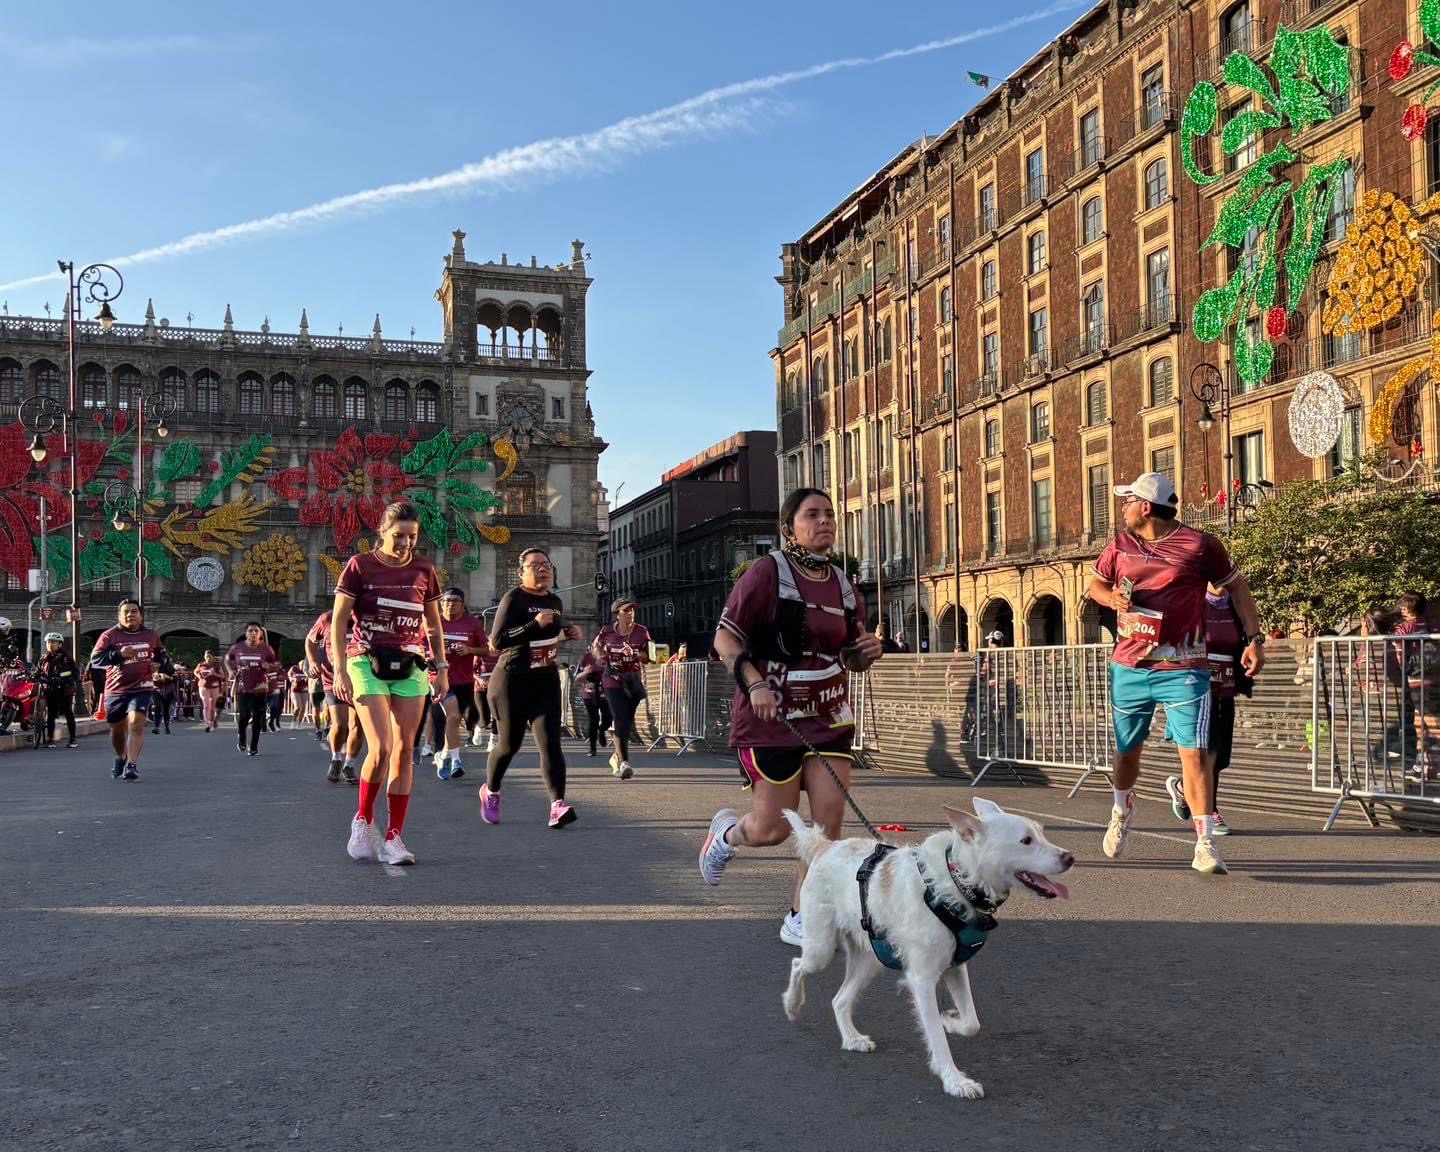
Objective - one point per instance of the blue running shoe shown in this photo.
(118, 768)
(132, 772)
(442, 765)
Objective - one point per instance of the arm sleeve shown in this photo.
(103, 655)
(1219, 568)
(510, 630)
(752, 601)
(349, 582)
(1106, 564)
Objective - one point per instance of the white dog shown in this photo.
(968, 868)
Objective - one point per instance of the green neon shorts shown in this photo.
(364, 682)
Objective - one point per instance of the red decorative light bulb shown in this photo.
(1402, 60)
(1276, 322)
(1412, 124)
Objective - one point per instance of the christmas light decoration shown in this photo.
(1317, 411)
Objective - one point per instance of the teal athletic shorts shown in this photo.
(1185, 692)
(364, 682)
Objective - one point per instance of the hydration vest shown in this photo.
(789, 638)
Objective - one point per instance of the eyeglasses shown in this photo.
(541, 567)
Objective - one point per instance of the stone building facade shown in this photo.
(283, 449)
(995, 327)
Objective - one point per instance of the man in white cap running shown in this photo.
(1154, 574)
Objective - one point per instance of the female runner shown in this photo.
(622, 647)
(791, 630)
(210, 672)
(525, 686)
(386, 601)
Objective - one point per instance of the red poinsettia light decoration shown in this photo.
(1276, 322)
(352, 485)
(23, 484)
(1402, 60)
(1412, 124)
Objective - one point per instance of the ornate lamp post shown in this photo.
(41, 415)
(121, 500)
(1210, 386)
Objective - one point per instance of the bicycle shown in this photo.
(39, 717)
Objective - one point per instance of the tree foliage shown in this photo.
(1322, 552)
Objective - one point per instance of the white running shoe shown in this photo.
(490, 747)
(442, 764)
(791, 930)
(625, 771)
(426, 749)
(1207, 859)
(393, 851)
(364, 840)
(715, 853)
(615, 763)
(477, 737)
(1118, 834)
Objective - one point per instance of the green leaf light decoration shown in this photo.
(1310, 70)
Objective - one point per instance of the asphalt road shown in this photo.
(192, 962)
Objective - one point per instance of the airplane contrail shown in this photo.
(726, 108)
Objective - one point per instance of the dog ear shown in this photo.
(962, 822)
(985, 809)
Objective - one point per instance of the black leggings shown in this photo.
(487, 716)
(57, 704)
(597, 724)
(434, 714)
(161, 706)
(622, 708)
(249, 709)
(274, 709)
(527, 700)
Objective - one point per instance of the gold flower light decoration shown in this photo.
(275, 564)
(1380, 264)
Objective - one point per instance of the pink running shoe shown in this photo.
(489, 805)
(561, 814)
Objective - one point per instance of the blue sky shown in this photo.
(133, 127)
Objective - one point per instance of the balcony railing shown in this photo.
(1033, 191)
(940, 404)
(1211, 65)
(980, 227)
(1157, 108)
(1160, 313)
(532, 522)
(1294, 13)
(1089, 155)
(1031, 367)
(518, 353)
(1090, 342)
(986, 386)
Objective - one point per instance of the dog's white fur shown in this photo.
(990, 851)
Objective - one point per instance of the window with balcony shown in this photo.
(127, 387)
(989, 280)
(988, 218)
(947, 375)
(1100, 499)
(1092, 221)
(942, 230)
(994, 525)
(819, 371)
(1097, 410)
(427, 403)
(47, 380)
(172, 387)
(887, 341)
(1092, 317)
(397, 402)
(990, 355)
(1351, 443)
(251, 393)
(1157, 183)
(1035, 257)
(1250, 457)
(1042, 509)
(1235, 28)
(947, 309)
(12, 383)
(354, 399)
(93, 387)
(282, 395)
(992, 439)
(1342, 207)
(1153, 105)
(1092, 148)
(1157, 285)
(1040, 334)
(207, 391)
(1162, 460)
(1243, 156)
(1342, 348)
(1341, 103)
(1162, 382)
(1247, 256)
(1035, 176)
(1039, 422)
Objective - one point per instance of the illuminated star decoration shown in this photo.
(1311, 69)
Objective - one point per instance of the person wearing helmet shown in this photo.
(9, 643)
(58, 677)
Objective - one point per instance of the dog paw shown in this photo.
(858, 1043)
(958, 1025)
(958, 1084)
(793, 1004)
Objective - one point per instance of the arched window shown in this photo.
(353, 397)
(519, 494)
(791, 398)
(887, 341)
(992, 439)
(251, 388)
(1040, 422)
(326, 406)
(12, 382)
(1162, 382)
(947, 306)
(207, 391)
(172, 386)
(818, 374)
(93, 386)
(282, 395)
(1092, 220)
(1157, 183)
(1095, 406)
(427, 403)
(397, 401)
(47, 380)
(127, 387)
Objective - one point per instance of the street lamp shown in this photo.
(119, 500)
(1211, 387)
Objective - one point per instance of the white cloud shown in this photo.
(728, 108)
(73, 50)
(116, 144)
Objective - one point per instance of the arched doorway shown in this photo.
(949, 638)
(997, 616)
(188, 645)
(1045, 623)
(1097, 624)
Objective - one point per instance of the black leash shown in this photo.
(835, 776)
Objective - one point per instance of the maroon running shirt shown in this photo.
(590, 684)
(211, 675)
(1223, 641)
(247, 664)
(814, 691)
(613, 647)
(467, 631)
(1169, 577)
(319, 635)
(390, 600)
(136, 674)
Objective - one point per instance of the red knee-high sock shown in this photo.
(396, 807)
(369, 793)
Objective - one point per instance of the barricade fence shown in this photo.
(1043, 715)
(1375, 722)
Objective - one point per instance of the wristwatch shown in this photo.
(440, 665)
(1255, 638)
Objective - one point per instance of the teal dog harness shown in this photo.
(970, 923)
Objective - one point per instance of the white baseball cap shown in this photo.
(1153, 487)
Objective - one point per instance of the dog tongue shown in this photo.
(1060, 890)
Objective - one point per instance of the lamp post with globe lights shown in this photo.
(121, 500)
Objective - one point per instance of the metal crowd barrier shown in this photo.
(1375, 721)
(1047, 707)
(681, 707)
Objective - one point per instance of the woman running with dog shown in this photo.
(622, 647)
(525, 686)
(792, 629)
(387, 601)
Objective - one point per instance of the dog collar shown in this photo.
(978, 898)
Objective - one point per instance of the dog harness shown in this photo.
(970, 923)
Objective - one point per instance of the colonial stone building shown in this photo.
(283, 448)
(994, 328)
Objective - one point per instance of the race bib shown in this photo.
(819, 695)
(1222, 671)
(1141, 624)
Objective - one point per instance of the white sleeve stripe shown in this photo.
(730, 626)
